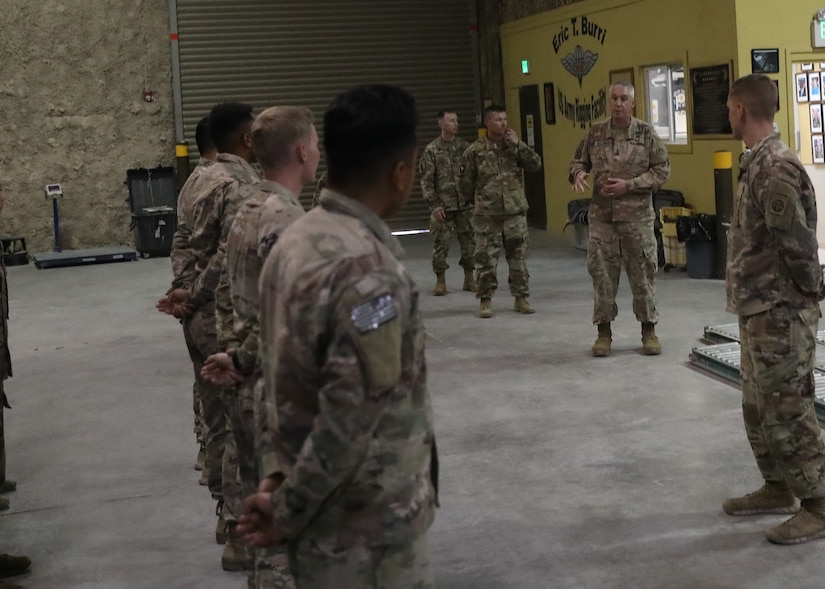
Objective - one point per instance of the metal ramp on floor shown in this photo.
(722, 334)
(724, 361)
(100, 255)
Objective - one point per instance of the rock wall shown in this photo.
(73, 80)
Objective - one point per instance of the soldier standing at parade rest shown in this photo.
(342, 349)
(493, 178)
(225, 185)
(440, 168)
(184, 272)
(629, 162)
(286, 144)
(774, 284)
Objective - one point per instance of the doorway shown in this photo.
(530, 109)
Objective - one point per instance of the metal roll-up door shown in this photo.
(267, 52)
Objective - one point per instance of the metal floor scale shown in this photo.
(59, 258)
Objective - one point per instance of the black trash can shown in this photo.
(699, 234)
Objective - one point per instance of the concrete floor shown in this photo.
(559, 470)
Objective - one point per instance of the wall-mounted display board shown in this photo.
(709, 88)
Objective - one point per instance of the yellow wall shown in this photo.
(638, 33)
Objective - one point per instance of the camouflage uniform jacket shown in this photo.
(493, 176)
(322, 183)
(343, 361)
(5, 355)
(772, 245)
(182, 258)
(226, 186)
(261, 218)
(440, 168)
(636, 154)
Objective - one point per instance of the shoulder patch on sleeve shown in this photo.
(779, 205)
(373, 314)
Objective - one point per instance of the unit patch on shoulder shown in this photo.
(371, 315)
(780, 201)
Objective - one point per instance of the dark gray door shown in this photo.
(530, 108)
(304, 53)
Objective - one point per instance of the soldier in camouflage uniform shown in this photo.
(286, 144)
(351, 469)
(774, 283)
(493, 177)
(6, 485)
(225, 185)
(440, 168)
(322, 183)
(629, 162)
(184, 272)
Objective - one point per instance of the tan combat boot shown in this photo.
(601, 347)
(440, 285)
(234, 553)
(485, 309)
(773, 497)
(650, 343)
(808, 524)
(469, 281)
(201, 459)
(4, 585)
(521, 305)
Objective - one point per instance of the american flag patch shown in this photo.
(371, 315)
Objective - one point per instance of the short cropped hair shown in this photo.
(202, 136)
(759, 95)
(441, 114)
(227, 122)
(493, 108)
(627, 86)
(276, 131)
(365, 129)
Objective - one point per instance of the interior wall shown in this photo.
(698, 33)
(789, 31)
(72, 79)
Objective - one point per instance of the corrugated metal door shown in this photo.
(267, 52)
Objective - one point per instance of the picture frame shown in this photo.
(807, 67)
(801, 87)
(814, 87)
(622, 75)
(708, 95)
(818, 149)
(549, 103)
(816, 118)
(765, 61)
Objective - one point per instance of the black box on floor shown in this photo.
(153, 233)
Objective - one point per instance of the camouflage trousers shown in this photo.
(2, 435)
(460, 223)
(612, 245)
(199, 330)
(318, 565)
(491, 234)
(778, 355)
(271, 570)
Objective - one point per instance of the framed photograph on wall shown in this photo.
(549, 103)
(814, 87)
(765, 61)
(816, 118)
(818, 149)
(807, 67)
(801, 87)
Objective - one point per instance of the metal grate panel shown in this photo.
(722, 334)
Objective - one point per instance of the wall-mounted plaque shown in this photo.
(709, 88)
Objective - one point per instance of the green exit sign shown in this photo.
(818, 33)
(525, 66)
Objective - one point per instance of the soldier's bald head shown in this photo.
(758, 94)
